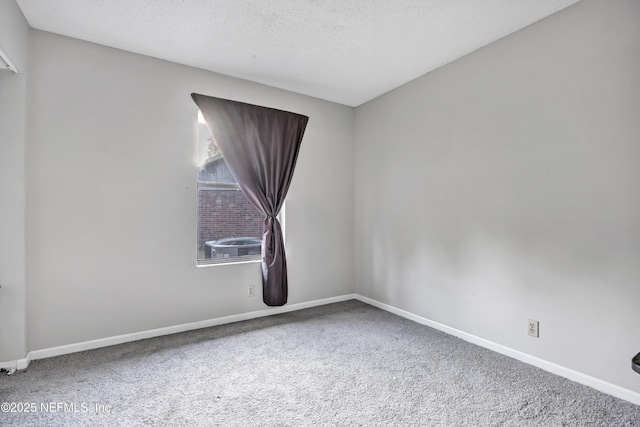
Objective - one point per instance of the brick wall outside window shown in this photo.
(225, 212)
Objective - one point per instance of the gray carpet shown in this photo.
(345, 364)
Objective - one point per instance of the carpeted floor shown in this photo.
(345, 364)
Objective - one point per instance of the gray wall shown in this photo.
(116, 253)
(506, 186)
(501, 187)
(14, 34)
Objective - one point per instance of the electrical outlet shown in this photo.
(532, 328)
(251, 291)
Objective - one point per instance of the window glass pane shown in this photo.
(229, 226)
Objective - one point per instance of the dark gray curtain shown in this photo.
(260, 145)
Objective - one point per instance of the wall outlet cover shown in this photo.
(533, 328)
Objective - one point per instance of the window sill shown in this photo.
(217, 264)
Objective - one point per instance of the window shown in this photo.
(229, 226)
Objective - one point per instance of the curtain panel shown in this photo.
(260, 146)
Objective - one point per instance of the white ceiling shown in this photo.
(346, 51)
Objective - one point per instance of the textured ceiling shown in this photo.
(346, 51)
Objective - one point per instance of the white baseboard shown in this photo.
(135, 336)
(16, 364)
(23, 363)
(562, 371)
